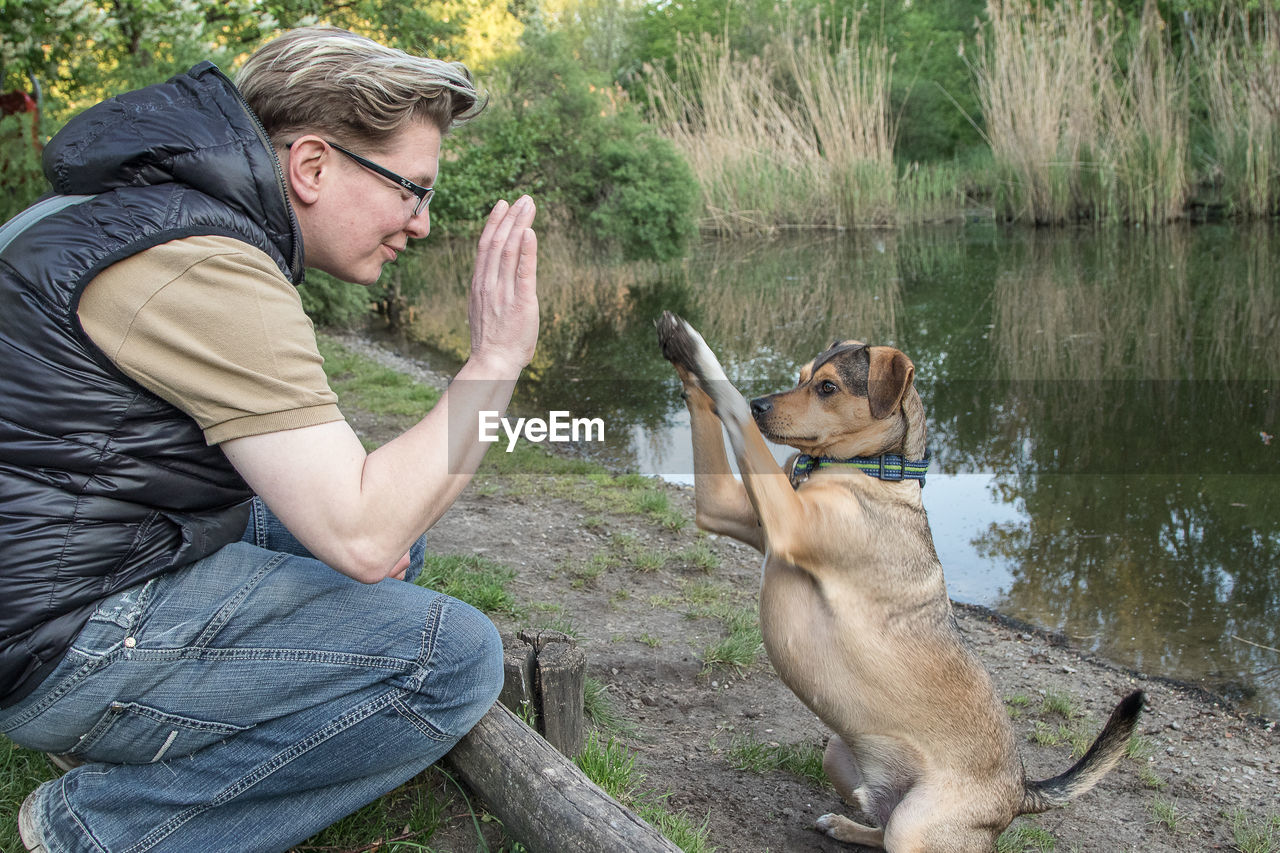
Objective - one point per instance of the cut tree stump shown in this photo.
(545, 682)
(543, 799)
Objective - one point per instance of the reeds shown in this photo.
(1240, 76)
(1088, 118)
(1079, 127)
(799, 136)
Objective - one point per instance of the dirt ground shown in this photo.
(645, 632)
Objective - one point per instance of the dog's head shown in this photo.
(852, 400)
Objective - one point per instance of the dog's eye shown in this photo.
(827, 388)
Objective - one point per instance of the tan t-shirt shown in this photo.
(212, 326)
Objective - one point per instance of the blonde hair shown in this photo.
(331, 81)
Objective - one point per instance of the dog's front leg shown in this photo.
(720, 501)
(775, 503)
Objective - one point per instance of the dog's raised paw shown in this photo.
(675, 339)
(683, 346)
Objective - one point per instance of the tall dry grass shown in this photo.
(1038, 71)
(1146, 119)
(1080, 127)
(844, 101)
(798, 136)
(1087, 116)
(1241, 83)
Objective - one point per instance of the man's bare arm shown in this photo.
(359, 512)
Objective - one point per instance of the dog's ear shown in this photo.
(889, 378)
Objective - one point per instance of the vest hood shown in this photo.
(195, 130)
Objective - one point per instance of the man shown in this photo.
(201, 568)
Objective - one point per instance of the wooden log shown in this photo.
(559, 685)
(544, 800)
(545, 683)
(517, 678)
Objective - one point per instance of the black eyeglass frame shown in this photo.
(423, 194)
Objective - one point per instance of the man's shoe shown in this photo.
(27, 825)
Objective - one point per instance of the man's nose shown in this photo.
(419, 226)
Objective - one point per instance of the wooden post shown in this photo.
(545, 682)
(543, 799)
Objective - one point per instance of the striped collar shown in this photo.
(889, 466)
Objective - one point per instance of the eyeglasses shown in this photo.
(423, 194)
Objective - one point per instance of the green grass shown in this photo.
(1058, 703)
(612, 766)
(585, 573)
(1165, 813)
(1045, 734)
(21, 772)
(799, 759)
(364, 383)
(699, 556)
(1254, 833)
(480, 582)
(603, 711)
(640, 557)
(1025, 838)
(741, 646)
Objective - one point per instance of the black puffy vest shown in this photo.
(103, 485)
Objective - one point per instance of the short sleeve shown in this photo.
(212, 326)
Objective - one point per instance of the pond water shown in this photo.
(1100, 409)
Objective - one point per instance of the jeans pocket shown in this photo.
(130, 733)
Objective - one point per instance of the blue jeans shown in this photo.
(247, 701)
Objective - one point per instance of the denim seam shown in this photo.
(419, 722)
(66, 806)
(228, 610)
(353, 717)
(391, 664)
(430, 633)
(109, 720)
(60, 690)
(258, 508)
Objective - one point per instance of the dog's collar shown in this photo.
(889, 466)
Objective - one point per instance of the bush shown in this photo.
(578, 147)
(330, 302)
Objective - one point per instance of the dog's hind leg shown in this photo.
(842, 828)
(841, 767)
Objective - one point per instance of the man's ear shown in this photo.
(304, 163)
(889, 378)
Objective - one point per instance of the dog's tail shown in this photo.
(1108, 749)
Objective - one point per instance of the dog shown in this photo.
(853, 606)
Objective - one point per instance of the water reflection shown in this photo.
(1099, 407)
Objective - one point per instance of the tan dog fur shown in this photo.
(853, 605)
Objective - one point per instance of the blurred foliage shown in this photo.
(330, 302)
(81, 51)
(21, 179)
(576, 144)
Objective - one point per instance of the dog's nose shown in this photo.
(760, 406)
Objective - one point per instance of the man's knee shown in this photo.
(466, 666)
(488, 660)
